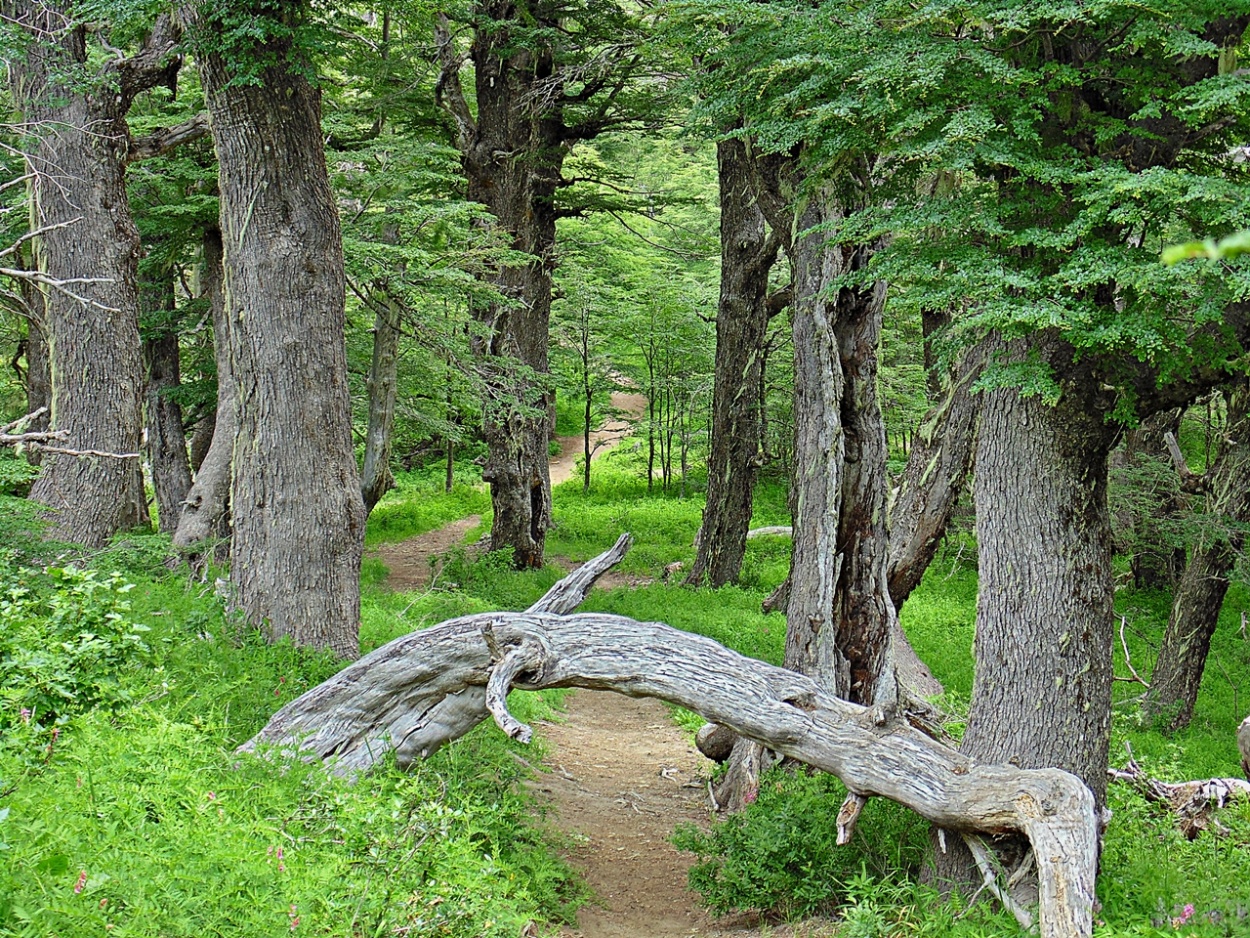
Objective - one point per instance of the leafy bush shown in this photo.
(66, 637)
(780, 856)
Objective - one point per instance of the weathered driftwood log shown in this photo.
(430, 687)
(1194, 803)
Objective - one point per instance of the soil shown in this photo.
(619, 775)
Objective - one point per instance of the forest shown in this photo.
(822, 426)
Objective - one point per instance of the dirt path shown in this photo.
(612, 432)
(621, 776)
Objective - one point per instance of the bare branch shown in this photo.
(39, 439)
(1127, 659)
(164, 139)
(61, 286)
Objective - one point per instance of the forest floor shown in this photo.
(619, 774)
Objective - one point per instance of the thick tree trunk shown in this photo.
(1042, 690)
(512, 151)
(1200, 595)
(839, 618)
(431, 687)
(747, 256)
(376, 478)
(87, 255)
(202, 439)
(297, 511)
(937, 469)
(206, 508)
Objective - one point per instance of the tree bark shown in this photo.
(376, 477)
(1044, 606)
(747, 256)
(431, 687)
(166, 439)
(937, 470)
(295, 498)
(206, 508)
(87, 255)
(839, 617)
(512, 152)
(1200, 595)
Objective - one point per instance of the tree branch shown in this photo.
(156, 63)
(448, 91)
(164, 139)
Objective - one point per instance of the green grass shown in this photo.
(177, 835)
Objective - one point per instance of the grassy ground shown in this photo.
(126, 812)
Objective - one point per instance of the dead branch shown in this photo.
(1128, 660)
(1194, 803)
(430, 687)
(39, 439)
(165, 139)
(1192, 482)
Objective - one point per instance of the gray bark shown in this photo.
(1044, 607)
(937, 470)
(166, 439)
(206, 508)
(376, 478)
(1243, 745)
(38, 368)
(430, 687)
(87, 257)
(747, 256)
(295, 497)
(1199, 597)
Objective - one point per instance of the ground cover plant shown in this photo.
(127, 808)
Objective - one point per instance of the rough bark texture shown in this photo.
(89, 245)
(747, 256)
(1200, 595)
(937, 470)
(839, 617)
(1044, 612)
(512, 151)
(400, 697)
(206, 508)
(375, 477)
(297, 512)
(166, 439)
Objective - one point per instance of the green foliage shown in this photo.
(418, 504)
(67, 640)
(140, 817)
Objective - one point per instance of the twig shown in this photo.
(990, 884)
(1127, 659)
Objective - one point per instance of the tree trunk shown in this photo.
(839, 618)
(206, 509)
(519, 189)
(202, 439)
(167, 442)
(1200, 595)
(1042, 691)
(297, 511)
(38, 367)
(432, 686)
(1156, 496)
(937, 469)
(376, 478)
(747, 256)
(87, 257)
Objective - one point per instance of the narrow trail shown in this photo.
(619, 774)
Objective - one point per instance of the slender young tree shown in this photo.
(296, 506)
(748, 252)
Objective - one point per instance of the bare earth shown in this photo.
(621, 775)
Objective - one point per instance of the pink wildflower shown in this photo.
(26, 714)
(82, 881)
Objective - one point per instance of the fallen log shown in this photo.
(430, 687)
(1194, 803)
